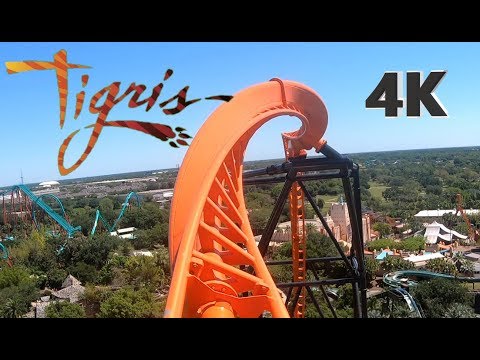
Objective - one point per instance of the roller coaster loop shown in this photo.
(98, 215)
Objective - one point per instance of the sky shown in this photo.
(344, 74)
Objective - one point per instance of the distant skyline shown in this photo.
(260, 159)
(344, 74)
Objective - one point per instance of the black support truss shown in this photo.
(331, 166)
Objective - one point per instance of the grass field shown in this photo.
(327, 201)
(377, 189)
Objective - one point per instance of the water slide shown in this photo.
(401, 278)
(411, 303)
(210, 238)
(98, 215)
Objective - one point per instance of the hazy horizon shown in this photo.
(246, 161)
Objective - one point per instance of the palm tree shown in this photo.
(10, 309)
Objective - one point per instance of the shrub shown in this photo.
(55, 277)
(13, 276)
(142, 271)
(438, 297)
(127, 303)
(412, 244)
(441, 265)
(92, 251)
(381, 244)
(15, 300)
(111, 269)
(84, 272)
(371, 268)
(383, 228)
(64, 309)
(395, 263)
(460, 311)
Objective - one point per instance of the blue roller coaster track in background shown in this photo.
(60, 219)
(4, 252)
(98, 215)
(37, 201)
(35, 204)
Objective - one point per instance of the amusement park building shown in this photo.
(436, 215)
(338, 221)
(436, 232)
(48, 184)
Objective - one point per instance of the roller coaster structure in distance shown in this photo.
(108, 227)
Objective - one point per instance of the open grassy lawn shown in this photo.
(377, 189)
(327, 200)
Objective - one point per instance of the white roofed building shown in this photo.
(47, 184)
(432, 215)
(421, 260)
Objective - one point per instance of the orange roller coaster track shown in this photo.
(218, 270)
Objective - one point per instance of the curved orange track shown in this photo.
(210, 235)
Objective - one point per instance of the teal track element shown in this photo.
(410, 301)
(4, 251)
(401, 278)
(98, 215)
(34, 204)
(40, 203)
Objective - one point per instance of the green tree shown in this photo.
(437, 296)
(63, 309)
(396, 263)
(162, 259)
(112, 268)
(258, 219)
(106, 208)
(149, 238)
(84, 217)
(11, 309)
(344, 303)
(35, 251)
(413, 244)
(93, 297)
(440, 265)
(320, 203)
(127, 303)
(145, 217)
(383, 228)
(93, 251)
(381, 244)
(142, 271)
(15, 300)
(55, 277)
(13, 276)
(457, 311)
(309, 212)
(371, 268)
(84, 272)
